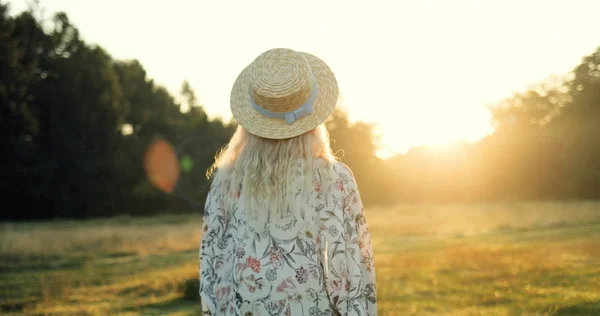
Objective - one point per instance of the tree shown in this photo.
(356, 145)
(75, 125)
(19, 125)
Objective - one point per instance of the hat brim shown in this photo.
(262, 126)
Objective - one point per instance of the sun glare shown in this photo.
(422, 128)
(423, 76)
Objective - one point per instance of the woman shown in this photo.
(284, 231)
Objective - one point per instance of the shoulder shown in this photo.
(347, 186)
(345, 177)
(342, 170)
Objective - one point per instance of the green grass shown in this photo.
(496, 259)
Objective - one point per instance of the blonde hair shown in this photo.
(270, 174)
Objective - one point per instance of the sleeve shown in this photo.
(349, 265)
(205, 255)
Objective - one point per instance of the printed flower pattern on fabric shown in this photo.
(322, 265)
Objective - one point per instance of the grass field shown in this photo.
(499, 259)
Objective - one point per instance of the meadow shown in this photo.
(476, 259)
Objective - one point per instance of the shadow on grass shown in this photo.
(582, 309)
(12, 307)
(174, 306)
(10, 264)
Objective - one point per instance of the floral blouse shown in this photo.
(325, 267)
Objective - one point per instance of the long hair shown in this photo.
(270, 174)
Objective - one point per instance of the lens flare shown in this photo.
(162, 165)
(187, 164)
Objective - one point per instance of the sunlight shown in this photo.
(465, 137)
(420, 87)
(422, 128)
(127, 129)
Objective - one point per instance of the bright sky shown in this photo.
(423, 71)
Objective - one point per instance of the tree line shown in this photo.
(545, 146)
(75, 124)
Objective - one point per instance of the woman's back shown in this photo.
(284, 228)
(318, 262)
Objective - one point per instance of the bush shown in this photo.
(191, 289)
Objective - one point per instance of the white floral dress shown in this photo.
(324, 268)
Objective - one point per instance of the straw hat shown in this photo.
(283, 93)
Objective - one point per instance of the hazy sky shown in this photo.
(422, 70)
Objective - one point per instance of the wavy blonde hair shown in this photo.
(269, 174)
